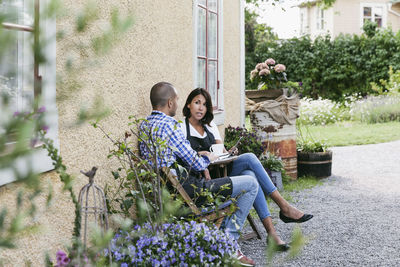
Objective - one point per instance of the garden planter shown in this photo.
(318, 164)
(274, 121)
(262, 95)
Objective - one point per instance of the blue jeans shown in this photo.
(249, 164)
(246, 187)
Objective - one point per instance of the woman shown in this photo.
(202, 132)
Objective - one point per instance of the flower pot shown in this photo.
(262, 95)
(318, 164)
(276, 178)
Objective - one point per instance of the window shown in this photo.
(23, 80)
(207, 51)
(320, 19)
(375, 13)
(17, 64)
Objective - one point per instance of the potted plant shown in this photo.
(313, 156)
(274, 167)
(272, 81)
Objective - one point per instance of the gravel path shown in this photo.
(356, 213)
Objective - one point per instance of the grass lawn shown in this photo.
(355, 133)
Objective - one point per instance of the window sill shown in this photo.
(219, 116)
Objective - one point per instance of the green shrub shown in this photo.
(334, 68)
(249, 143)
(272, 163)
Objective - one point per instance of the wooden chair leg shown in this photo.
(219, 222)
(256, 231)
(254, 226)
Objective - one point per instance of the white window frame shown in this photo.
(219, 113)
(373, 6)
(320, 19)
(38, 161)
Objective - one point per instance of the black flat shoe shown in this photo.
(302, 219)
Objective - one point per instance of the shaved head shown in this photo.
(160, 94)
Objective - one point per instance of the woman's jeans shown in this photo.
(244, 187)
(248, 164)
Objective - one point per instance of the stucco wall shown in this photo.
(157, 48)
(231, 63)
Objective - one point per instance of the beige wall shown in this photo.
(231, 63)
(158, 48)
(394, 17)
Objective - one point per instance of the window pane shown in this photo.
(212, 81)
(16, 72)
(378, 12)
(201, 73)
(9, 72)
(365, 19)
(201, 33)
(17, 11)
(203, 2)
(378, 22)
(367, 11)
(212, 5)
(212, 35)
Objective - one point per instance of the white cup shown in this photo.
(217, 149)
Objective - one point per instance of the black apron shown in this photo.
(196, 178)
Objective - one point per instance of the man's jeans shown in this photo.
(246, 187)
(248, 164)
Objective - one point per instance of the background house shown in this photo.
(188, 43)
(348, 16)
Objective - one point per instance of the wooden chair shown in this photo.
(215, 216)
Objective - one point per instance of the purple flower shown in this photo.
(44, 128)
(41, 109)
(16, 113)
(300, 83)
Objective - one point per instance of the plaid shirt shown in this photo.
(165, 128)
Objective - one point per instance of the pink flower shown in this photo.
(253, 74)
(264, 72)
(259, 66)
(280, 68)
(264, 66)
(270, 61)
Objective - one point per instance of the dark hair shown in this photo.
(209, 114)
(160, 93)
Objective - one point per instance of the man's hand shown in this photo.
(211, 156)
(206, 173)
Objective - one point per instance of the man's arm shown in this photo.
(185, 152)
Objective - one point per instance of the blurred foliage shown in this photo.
(20, 132)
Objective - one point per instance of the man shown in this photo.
(162, 126)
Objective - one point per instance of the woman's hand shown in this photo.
(233, 151)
